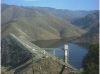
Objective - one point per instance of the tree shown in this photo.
(91, 60)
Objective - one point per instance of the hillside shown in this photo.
(89, 22)
(65, 14)
(35, 24)
(10, 12)
(4, 7)
(91, 37)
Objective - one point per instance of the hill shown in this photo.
(36, 24)
(89, 22)
(91, 37)
(68, 15)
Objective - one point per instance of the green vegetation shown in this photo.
(91, 60)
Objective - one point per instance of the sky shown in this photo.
(58, 4)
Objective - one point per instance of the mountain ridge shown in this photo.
(65, 14)
(89, 22)
(36, 24)
(69, 15)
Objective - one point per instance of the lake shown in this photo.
(76, 51)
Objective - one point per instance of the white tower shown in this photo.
(66, 53)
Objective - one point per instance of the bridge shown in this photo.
(54, 49)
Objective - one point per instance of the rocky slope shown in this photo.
(47, 66)
(13, 52)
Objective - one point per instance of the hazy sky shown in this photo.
(59, 4)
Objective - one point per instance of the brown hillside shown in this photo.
(36, 24)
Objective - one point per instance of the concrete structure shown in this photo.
(40, 52)
(54, 50)
(66, 53)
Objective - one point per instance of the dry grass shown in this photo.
(36, 24)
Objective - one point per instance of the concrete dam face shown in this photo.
(13, 52)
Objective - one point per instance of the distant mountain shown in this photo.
(68, 15)
(10, 12)
(91, 37)
(4, 7)
(89, 22)
(35, 24)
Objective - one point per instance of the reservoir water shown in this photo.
(76, 51)
(76, 55)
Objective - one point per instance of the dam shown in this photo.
(29, 49)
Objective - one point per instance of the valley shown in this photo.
(27, 29)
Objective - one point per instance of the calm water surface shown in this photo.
(76, 54)
(76, 51)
